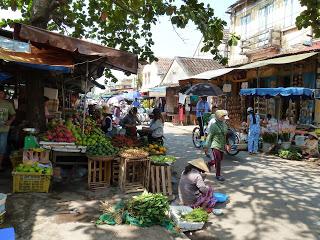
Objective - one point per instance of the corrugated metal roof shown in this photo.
(277, 61)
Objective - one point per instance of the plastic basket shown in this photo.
(3, 198)
(2, 216)
(30, 182)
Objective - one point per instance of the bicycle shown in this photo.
(233, 139)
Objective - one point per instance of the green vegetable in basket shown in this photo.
(196, 215)
(163, 159)
(34, 168)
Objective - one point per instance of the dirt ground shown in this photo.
(270, 198)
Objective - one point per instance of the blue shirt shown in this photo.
(201, 108)
(136, 104)
(254, 128)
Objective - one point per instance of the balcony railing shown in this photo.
(269, 38)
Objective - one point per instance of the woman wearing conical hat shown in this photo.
(192, 190)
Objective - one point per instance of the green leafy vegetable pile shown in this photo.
(148, 208)
(291, 154)
(196, 215)
(161, 159)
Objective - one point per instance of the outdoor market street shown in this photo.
(270, 198)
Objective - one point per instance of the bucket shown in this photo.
(220, 197)
(3, 198)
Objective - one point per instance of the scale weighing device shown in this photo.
(30, 141)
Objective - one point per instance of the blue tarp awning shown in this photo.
(132, 95)
(4, 76)
(272, 92)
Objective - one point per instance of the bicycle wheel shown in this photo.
(196, 138)
(233, 140)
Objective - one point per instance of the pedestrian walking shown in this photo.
(253, 123)
(216, 140)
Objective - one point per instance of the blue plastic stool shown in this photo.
(220, 197)
(7, 234)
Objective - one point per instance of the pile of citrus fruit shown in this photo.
(155, 149)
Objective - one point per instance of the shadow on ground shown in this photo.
(270, 198)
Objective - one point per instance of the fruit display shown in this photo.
(34, 168)
(59, 133)
(134, 153)
(196, 215)
(123, 141)
(161, 159)
(155, 149)
(92, 133)
(102, 149)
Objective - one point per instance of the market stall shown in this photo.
(282, 121)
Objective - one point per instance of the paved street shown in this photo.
(270, 198)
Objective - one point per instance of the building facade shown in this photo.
(153, 74)
(267, 28)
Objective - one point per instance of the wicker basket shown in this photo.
(30, 182)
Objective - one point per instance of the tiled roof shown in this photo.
(163, 65)
(193, 66)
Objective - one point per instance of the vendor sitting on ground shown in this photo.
(193, 191)
(130, 122)
(155, 131)
(311, 146)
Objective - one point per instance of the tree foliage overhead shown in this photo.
(310, 17)
(122, 24)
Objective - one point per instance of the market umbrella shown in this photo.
(204, 89)
(132, 95)
(115, 100)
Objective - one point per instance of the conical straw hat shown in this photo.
(199, 163)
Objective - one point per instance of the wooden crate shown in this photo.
(30, 156)
(160, 179)
(115, 171)
(99, 172)
(134, 175)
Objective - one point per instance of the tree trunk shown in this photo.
(35, 101)
(40, 12)
(40, 16)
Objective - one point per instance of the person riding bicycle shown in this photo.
(216, 140)
(201, 108)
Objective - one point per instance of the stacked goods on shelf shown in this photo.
(234, 110)
(260, 106)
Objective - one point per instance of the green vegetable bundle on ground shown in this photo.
(291, 154)
(148, 209)
(196, 215)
